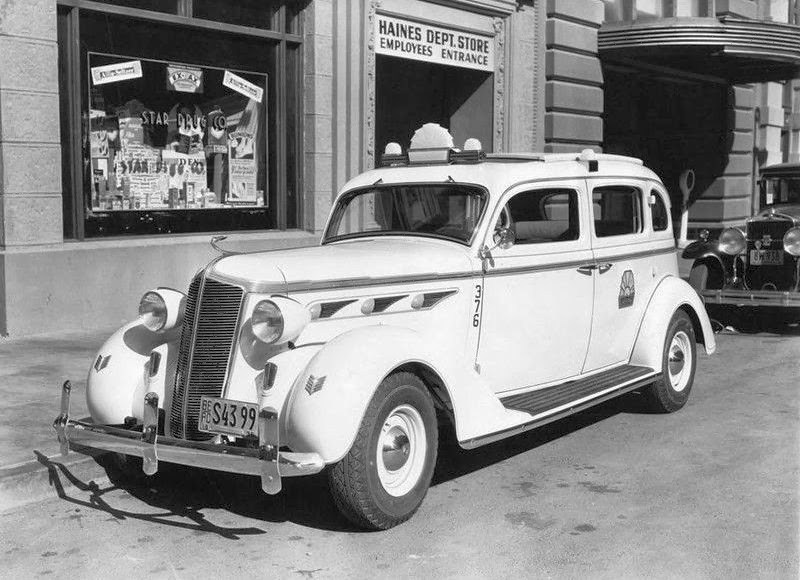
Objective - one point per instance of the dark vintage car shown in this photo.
(758, 266)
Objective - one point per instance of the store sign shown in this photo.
(243, 86)
(184, 79)
(416, 41)
(113, 73)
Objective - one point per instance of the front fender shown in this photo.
(671, 294)
(120, 375)
(702, 249)
(329, 398)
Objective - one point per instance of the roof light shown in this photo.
(472, 144)
(393, 149)
(589, 157)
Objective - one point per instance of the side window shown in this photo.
(660, 212)
(617, 210)
(544, 215)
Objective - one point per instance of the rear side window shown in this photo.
(544, 215)
(617, 210)
(660, 213)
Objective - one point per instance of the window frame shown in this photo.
(612, 183)
(662, 198)
(573, 205)
(69, 11)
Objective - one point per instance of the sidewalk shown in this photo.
(32, 371)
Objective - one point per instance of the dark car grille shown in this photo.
(209, 329)
(775, 277)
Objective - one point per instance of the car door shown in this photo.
(536, 299)
(624, 247)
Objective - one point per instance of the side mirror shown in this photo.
(504, 238)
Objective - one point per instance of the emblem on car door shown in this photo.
(627, 289)
(314, 384)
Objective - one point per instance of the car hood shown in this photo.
(355, 262)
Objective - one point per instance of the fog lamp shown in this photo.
(732, 241)
(791, 241)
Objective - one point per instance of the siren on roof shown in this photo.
(432, 144)
(589, 157)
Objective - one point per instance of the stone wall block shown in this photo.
(717, 210)
(589, 11)
(739, 164)
(29, 220)
(31, 169)
(571, 127)
(319, 18)
(573, 67)
(318, 134)
(28, 65)
(29, 117)
(318, 54)
(569, 96)
(741, 120)
(28, 18)
(726, 186)
(741, 141)
(318, 171)
(563, 34)
(744, 97)
(318, 94)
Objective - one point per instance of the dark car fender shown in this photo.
(700, 250)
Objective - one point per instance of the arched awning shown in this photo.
(739, 50)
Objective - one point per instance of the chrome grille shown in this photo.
(769, 277)
(775, 228)
(211, 319)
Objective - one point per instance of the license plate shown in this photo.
(228, 417)
(766, 257)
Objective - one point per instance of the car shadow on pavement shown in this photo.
(454, 462)
(185, 497)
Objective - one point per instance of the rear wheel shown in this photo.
(678, 362)
(384, 477)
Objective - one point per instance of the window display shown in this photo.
(167, 135)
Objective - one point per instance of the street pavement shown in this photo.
(709, 492)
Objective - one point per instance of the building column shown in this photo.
(727, 201)
(574, 78)
(30, 150)
(318, 113)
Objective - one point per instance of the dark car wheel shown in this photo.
(384, 477)
(678, 362)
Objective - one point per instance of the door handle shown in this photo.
(603, 268)
(587, 268)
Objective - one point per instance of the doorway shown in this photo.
(411, 93)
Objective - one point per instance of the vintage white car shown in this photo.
(484, 294)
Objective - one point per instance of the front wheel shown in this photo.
(678, 362)
(384, 477)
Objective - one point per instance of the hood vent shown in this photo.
(382, 304)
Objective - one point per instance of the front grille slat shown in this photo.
(211, 320)
(769, 277)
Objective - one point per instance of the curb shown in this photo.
(51, 477)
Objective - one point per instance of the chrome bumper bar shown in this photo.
(751, 298)
(266, 460)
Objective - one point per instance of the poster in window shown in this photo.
(242, 171)
(184, 79)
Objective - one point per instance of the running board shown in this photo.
(554, 403)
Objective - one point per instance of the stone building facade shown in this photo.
(80, 242)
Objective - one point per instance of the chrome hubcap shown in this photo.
(401, 450)
(395, 448)
(679, 361)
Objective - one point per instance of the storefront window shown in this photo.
(175, 136)
(178, 126)
(256, 13)
(170, 6)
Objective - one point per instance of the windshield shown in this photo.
(778, 190)
(448, 211)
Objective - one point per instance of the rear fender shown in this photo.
(671, 294)
(329, 397)
(120, 373)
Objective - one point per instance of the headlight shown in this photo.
(278, 319)
(732, 241)
(791, 241)
(267, 321)
(162, 309)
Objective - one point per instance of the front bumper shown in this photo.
(752, 298)
(267, 460)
